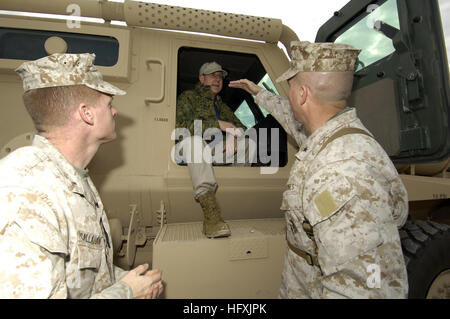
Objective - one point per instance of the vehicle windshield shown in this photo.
(444, 5)
(373, 33)
(243, 112)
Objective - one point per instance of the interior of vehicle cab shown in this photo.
(238, 66)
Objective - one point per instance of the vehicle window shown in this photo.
(24, 44)
(445, 18)
(243, 112)
(373, 34)
(258, 125)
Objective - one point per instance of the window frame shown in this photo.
(253, 107)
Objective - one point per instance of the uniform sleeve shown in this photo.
(185, 112)
(119, 290)
(354, 231)
(31, 248)
(280, 109)
(399, 197)
(119, 273)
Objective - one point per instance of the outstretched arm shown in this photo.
(246, 85)
(276, 105)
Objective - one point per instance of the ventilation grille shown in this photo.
(204, 21)
(183, 232)
(239, 229)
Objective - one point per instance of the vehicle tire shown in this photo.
(426, 248)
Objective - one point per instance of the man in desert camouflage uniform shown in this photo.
(344, 200)
(54, 234)
(204, 106)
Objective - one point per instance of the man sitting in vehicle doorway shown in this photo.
(201, 111)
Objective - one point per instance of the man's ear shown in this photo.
(86, 114)
(201, 79)
(304, 93)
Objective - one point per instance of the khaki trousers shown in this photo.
(200, 157)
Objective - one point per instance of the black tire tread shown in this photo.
(423, 243)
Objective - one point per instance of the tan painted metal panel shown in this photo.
(246, 265)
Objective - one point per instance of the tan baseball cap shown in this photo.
(64, 70)
(320, 57)
(211, 67)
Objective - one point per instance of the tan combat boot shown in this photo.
(213, 224)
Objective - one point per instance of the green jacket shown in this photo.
(197, 105)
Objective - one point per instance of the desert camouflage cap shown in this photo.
(320, 57)
(211, 67)
(64, 70)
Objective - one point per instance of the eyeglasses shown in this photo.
(216, 75)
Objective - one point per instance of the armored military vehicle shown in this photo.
(154, 52)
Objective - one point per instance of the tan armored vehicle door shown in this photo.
(249, 197)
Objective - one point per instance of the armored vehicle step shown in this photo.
(248, 264)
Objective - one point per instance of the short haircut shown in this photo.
(328, 86)
(54, 106)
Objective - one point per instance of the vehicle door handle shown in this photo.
(159, 98)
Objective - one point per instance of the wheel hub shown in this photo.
(440, 288)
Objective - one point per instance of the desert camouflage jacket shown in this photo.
(54, 241)
(343, 205)
(197, 105)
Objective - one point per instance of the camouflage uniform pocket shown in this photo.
(291, 198)
(343, 225)
(350, 233)
(89, 256)
(292, 205)
(38, 224)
